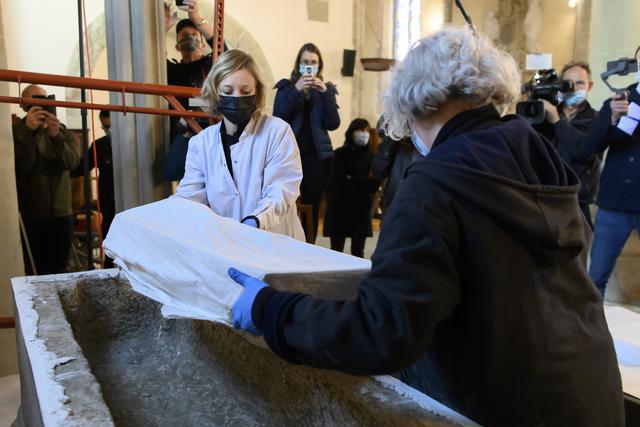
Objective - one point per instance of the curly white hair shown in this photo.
(452, 63)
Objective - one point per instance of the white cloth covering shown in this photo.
(624, 326)
(177, 252)
(266, 175)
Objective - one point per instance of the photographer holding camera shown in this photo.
(45, 152)
(566, 126)
(192, 36)
(619, 196)
(309, 105)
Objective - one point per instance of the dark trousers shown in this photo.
(357, 245)
(50, 241)
(611, 232)
(315, 176)
(108, 209)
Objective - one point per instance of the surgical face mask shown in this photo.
(573, 99)
(189, 43)
(419, 144)
(309, 69)
(361, 138)
(237, 109)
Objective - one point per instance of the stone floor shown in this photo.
(9, 399)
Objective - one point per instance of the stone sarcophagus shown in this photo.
(93, 352)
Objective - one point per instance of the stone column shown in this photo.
(370, 32)
(136, 52)
(11, 264)
(511, 16)
(583, 25)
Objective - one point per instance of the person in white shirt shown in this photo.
(247, 166)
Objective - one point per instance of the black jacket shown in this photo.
(620, 182)
(105, 166)
(566, 136)
(349, 194)
(391, 161)
(191, 74)
(477, 284)
(289, 106)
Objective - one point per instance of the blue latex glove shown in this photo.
(241, 310)
(250, 222)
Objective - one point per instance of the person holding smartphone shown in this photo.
(45, 152)
(619, 195)
(308, 104)
(192, 36)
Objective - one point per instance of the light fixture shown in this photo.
(572, 3)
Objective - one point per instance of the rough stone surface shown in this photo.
(153, 371)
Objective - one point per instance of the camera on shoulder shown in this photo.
(545, 84)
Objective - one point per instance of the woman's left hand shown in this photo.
(319, 85)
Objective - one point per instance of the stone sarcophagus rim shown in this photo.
(94, 352)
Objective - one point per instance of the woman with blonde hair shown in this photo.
(247, 166)
(478, 293)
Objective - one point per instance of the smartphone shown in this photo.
(309, 70)
(179, 3)
(623, 65)
(49, 108)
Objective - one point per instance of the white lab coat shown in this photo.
(266, 175)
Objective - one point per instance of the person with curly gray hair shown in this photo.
(478, 293)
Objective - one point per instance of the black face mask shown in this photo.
(237, 109)
(189, 43)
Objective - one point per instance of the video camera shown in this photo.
(545, 84)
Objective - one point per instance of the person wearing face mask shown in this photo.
(106, 191)
(309, 105)
(192, 36)
(478, 294)
(567, 125)
(616, 129)
(350, 190)
(247, 166)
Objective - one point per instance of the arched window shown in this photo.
(407, 26)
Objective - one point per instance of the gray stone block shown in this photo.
(100, 354)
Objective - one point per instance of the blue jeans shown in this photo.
(611, 232)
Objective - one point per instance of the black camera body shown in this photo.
(545, 84)
(49, 108)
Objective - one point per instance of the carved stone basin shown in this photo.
(94, 352)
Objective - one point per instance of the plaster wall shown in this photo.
(10, 251)
(613, 36)
(280, 27)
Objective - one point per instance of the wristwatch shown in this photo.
(203, 22)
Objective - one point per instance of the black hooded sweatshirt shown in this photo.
(478, 292)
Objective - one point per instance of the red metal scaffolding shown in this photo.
(168, 92)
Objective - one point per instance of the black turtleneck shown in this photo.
(229, 140)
